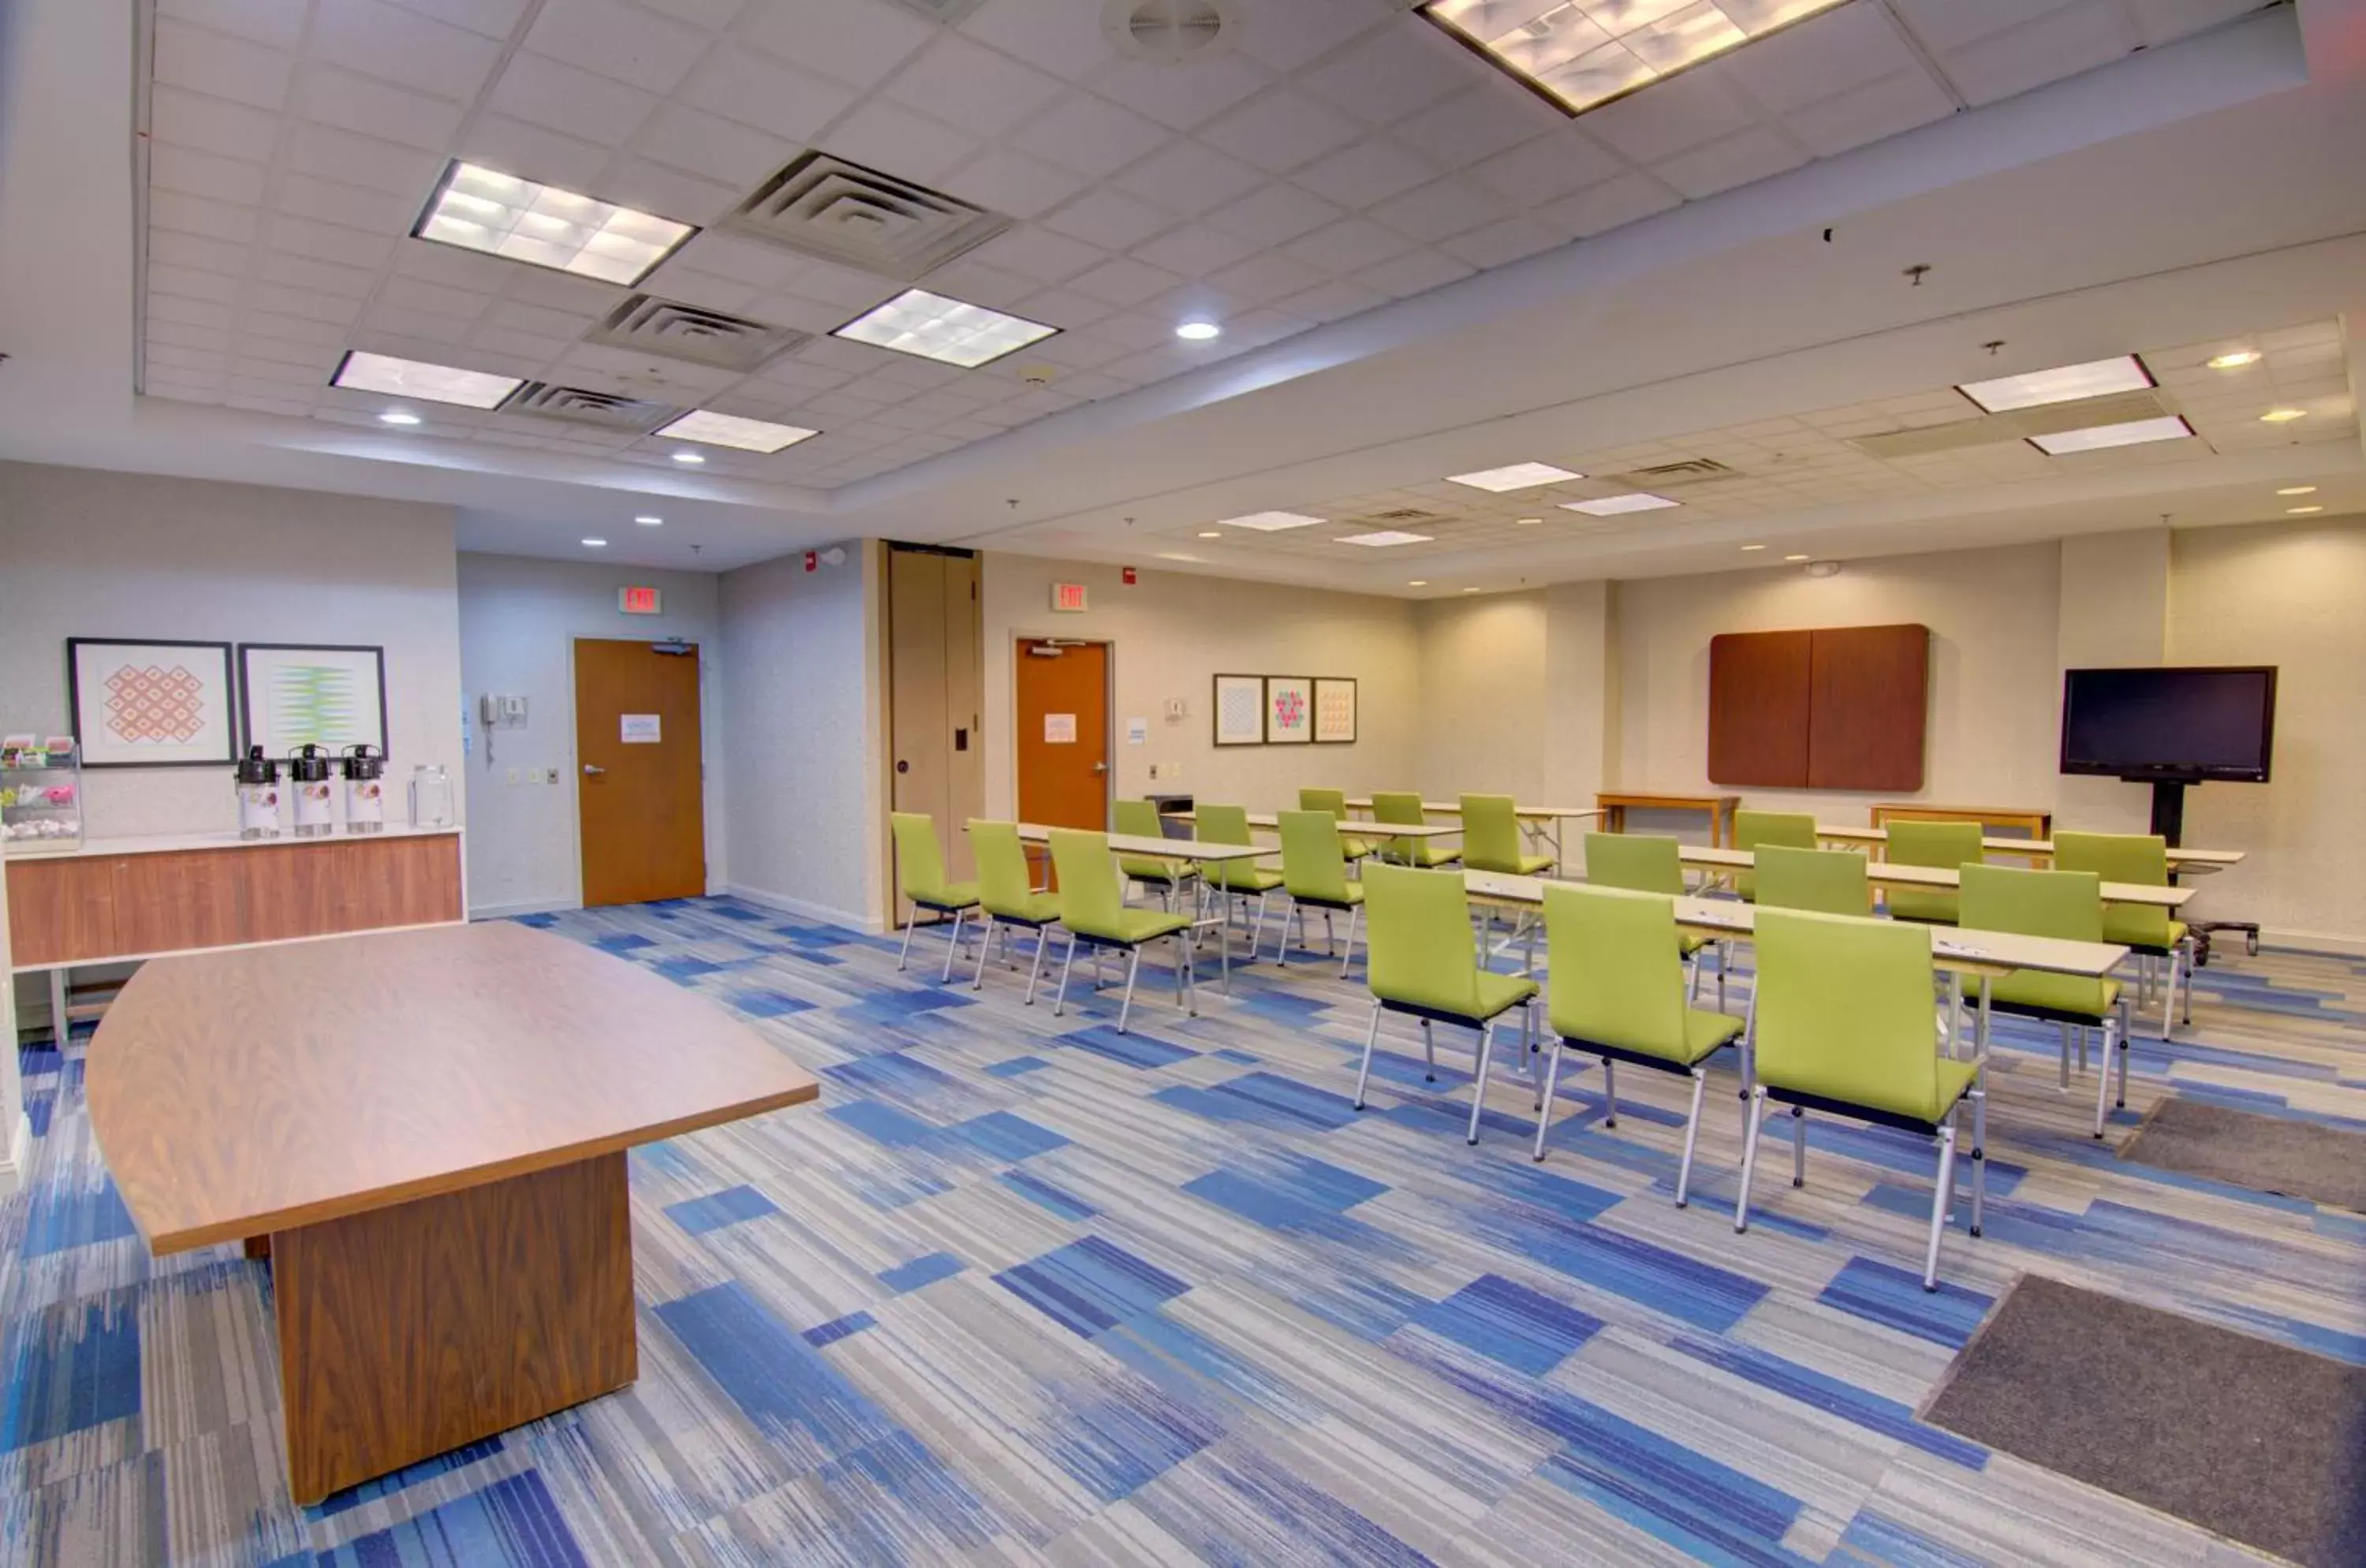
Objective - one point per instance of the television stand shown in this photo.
(2168, 824)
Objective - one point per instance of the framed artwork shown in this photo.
(1239, 708)
(1335, 711)
(290, 694)
(140, 703)
(1288, 710)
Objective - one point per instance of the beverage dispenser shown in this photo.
(316, 800)
(365, 789)
(258, 795)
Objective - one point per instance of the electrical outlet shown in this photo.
(1154, 773)
(1174, 773)
(553, 776)
(513, 775)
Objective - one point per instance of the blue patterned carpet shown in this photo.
(1021, 1290)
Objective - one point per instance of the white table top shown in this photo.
(168, 843)
(1950, 949)
(2178, 859)
(1265, 821)
(1707, 858)
(1161, 849)
(1532, 812)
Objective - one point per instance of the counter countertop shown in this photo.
(166, 843)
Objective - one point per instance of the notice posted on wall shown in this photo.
(1059, 730)
(1137, 732)
(642, 728)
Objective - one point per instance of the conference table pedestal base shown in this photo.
(405, 1332)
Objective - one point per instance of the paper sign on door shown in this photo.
(1059, 730)
(641, 729)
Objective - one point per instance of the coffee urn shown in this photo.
(316, 799)
(258, 795)
(365, 789)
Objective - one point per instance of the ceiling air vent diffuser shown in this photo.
(1171, 32)
(945, 11)
(577, 405)
(842, 213)
(649, 325)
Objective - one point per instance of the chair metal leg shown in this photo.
(1750, 1121)
(2124, 1031)
(1042, 940)
(1429, 1052)
(2081, 1030)
(1609, 1092)
(1799, 1146)
(1132, 967)
(1980, 1099)
(1371, 1038)
(1478, 1084)
(1545, 1098)
(1942, 1201)
(1724, 956)
(1354, 917)
(2112, 1045)
(2169, 992)
(904, 954)
(1067, 962)
(2187, 948)
(1749, 1056)
(1257, 932)
(952, 947)
(984, 951)
(1691, 1138)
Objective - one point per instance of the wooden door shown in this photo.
(1061, 703)
(935, 690)
(638, 782)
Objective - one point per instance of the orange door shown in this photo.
(639, 782)
(1062, 691)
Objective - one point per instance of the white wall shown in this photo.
(2290, 595)
(801, 763)
(2113, 611)
(1485, 679)
(519, 620)
(1171, 635)
(89, 554)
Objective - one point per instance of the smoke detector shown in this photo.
(1171, 32)
(1037, 375)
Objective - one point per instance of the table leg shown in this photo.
(1956, 1012)
(407, 1331)
(59, 1026)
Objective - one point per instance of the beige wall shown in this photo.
(1172, 634)
(1485, 673)
(2291, 596)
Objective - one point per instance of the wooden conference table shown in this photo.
(429, 1128)
(1614, 804)
(1701, 857)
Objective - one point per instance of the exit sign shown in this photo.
(640, 601)
(1068, 597)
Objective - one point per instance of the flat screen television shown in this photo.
(2170, 723)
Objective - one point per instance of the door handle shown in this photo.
(593, 770)
(1100, 767)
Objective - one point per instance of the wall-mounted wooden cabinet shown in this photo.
(1839, 707)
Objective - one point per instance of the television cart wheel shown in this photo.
(2201, 931)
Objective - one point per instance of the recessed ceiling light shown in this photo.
(1795, 558)
(1177, 555)
(1612, 505)
(2095, 437)
(1528, 522)
(395, 416)
(688, 458)
(2236, 360)
(1580, 56)
(1753, 547)
(1269, 521)
(2302, 510)
(947, 331)
(1418, 582)
(1211, 532)
(2298, 490)
(1513, 476)
(1471, 590)
(2063, 384)
(1381, 538)
(729, 430)
(479, 208)
(597, 544)
(415, 379)
(647, 520)
(1199, 332)
(2283, 416)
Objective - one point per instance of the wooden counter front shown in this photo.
(88, 908)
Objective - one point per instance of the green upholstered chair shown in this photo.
(1140, 819)
(1619, 993)
(1314, 875)
(1093, 910)
(1831, 882)
(1334, 801)
(1946, 845)
(921, 877)
(2141, 859)
(1007, 897)
(1401, 808)
(2068, 905)
(1491, 838)
(1843, 1022)
(1425, 963)
(1791, 829)
(1231, 879)
(1647, 863)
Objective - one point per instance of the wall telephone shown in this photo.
(495, 711)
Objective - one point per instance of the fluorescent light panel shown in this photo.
(728, 430)
(362, 372)
(1583, 53)
(479, 208)
(949, 331)
(2063, 384)
(1381, 538)
(2094, 438)
(1614, 505)
(1514, 475)
(1268, 522)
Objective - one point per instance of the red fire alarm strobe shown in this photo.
(1126, 576)
(813, 561)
